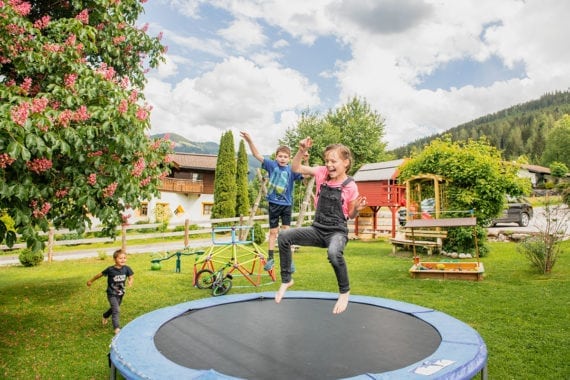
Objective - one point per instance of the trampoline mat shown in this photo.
(296, 339)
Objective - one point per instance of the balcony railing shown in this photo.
(181, 185)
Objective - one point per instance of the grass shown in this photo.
(551, 200)
(51, 322)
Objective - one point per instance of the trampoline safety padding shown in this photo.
(249, 336)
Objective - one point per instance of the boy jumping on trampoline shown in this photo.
(337, 201)
(279, 191)
(118, 276)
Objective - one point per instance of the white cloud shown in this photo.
(235, 95)
(393, 45)
(194, 44)
(243, 35)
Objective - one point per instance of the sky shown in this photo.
(425, 66)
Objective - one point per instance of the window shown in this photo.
(144, 209)
(207, 208)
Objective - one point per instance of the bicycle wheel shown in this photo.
(222, 288)
(205, 279)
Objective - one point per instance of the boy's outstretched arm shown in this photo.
(244, 135)
(96, 277)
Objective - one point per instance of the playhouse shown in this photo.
(379, 183)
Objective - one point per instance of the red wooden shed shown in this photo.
(378, 182)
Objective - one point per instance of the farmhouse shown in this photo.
(188, 192)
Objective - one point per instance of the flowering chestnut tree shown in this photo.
(74, 124)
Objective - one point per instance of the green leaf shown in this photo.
(10, 238)
(14, 149)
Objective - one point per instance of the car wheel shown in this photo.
(523, 222)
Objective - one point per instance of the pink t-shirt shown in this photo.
(349, 192)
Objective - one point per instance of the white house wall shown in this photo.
(523, 173)
(191, 203)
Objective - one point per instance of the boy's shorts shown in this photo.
(278, 211)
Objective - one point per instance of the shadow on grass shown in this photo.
(44, 292)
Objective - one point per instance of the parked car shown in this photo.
(518, 210)
(427, 206)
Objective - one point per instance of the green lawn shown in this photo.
(51, 324)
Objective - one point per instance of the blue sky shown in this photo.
(424, 65)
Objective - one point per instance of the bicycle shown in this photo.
(219, 282)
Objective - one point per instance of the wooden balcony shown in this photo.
(181, 186)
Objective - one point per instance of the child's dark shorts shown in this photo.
(278, 211)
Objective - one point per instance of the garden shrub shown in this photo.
(258, 234)
(28, 258)
(460, 239)
(541, 255)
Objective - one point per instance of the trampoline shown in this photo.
(249, 336)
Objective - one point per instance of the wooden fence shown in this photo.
(204, 227)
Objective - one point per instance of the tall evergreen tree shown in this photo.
(242, 196)
(225, 182)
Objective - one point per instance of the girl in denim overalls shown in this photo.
(337, 201)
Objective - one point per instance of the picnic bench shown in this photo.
(428, 233)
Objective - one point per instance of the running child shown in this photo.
(118, 276)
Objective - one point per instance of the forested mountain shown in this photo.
(516, 131)
(183, 145)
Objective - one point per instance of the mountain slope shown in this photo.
(516, 131)
(183, 145)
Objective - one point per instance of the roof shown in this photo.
(194, 161)
(379, 171)
(535, 168)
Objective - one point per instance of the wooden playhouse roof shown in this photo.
(378, 171)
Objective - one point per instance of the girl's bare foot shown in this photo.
(117, 330)
(282, 289)
(341, 303)
(105, 321)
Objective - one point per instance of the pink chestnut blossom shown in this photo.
(39, 213)
(39, 104)
(123, 106)
(43, 22)
(83, 16)
(92, 179)
(20, 113)
(139, 167)
(22, 8)
(39, 165)
(5, 160)
(26, 85)
(110, 190)
(142, 114)
(81, 114)
(69, 80)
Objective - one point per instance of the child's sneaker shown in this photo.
(268, 265)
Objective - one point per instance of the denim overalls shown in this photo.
(329, 230)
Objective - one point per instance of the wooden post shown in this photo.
(242, 231)
(186, 228)
(261, 193)
(306, 200)
(124, 237)
(51, 234)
